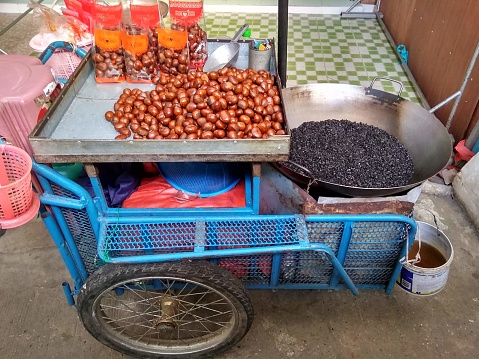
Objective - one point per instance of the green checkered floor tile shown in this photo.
(325, 48)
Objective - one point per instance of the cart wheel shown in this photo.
(165, 310)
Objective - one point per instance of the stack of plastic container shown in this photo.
(25, 85)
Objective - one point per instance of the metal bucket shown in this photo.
(427, 281)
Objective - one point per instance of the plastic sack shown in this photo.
(57, 27)
(118, 181)
(157, 193)
(463, 154)
(80, 9)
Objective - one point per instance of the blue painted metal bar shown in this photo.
(360, 218)
(213, 234)
(275, 270)
(55, 177)
(343, 250)
(398, 267)
(68, 293)
(100, 196)
(59, 240)
(256, 197)
(64, 229)
(248, 189)
(145, 233)
(276, 261)
(475, 149)
(178, 219)
(232, 253)
(338, 267)
(178, 212)
(60, 45)
(45, 174)
(54, 200)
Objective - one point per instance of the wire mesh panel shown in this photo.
(119, 240)
(309, 266)
(255, 269)
(374, 250)
(81, 230)
(305, 267)
(369, 253)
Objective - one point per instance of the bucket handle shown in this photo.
(418, 234)
(401, 86)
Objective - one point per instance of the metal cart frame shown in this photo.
(139, 262)
(89, 234)
(290, 250)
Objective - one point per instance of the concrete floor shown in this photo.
(36, 321)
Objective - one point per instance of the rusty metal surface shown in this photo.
(278, 194)
(393, 206)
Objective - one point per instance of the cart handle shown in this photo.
(62, 45)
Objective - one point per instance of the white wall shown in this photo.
(466, 188)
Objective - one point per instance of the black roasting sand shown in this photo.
(350, 154)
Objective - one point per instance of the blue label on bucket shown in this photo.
(405, 280)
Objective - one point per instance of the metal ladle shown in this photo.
(224, 54)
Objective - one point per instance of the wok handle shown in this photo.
(240, 32)
(303, 168)
(401, 86)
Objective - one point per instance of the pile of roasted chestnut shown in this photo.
(229, 103)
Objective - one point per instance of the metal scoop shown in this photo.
(224, 54)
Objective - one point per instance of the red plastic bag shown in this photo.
(463, 154)
(157, 193)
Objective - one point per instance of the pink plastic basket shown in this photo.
(63, 63)
(16, 193)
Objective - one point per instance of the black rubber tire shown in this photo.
(197, 271)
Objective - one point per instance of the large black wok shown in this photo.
(423, 135)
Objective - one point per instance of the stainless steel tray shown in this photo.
(74, 128)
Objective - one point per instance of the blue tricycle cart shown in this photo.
(171, 282)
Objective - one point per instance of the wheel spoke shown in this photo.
(126, 318)
(142, 335)
(129, 325)
(182, 289)
(189, 332)
(202, 296)
(203, 306)
(121, 307)
(197, 331)
(199, 319)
